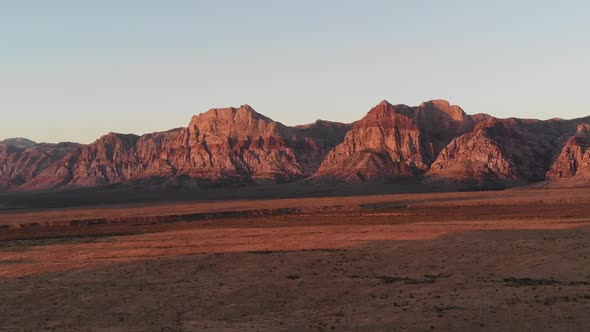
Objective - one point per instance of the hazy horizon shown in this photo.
(74, 71)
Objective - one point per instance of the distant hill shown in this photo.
(19, 142)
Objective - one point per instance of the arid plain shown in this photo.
(496, 260)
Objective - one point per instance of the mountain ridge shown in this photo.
(435, 142)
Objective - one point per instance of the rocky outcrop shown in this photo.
(574, 158)
(441, 122)
(384, 143)
(392, 141)
(227, 145)
(109, 159)
(19, 165)
(435, 141)
(322, 136)
(476, 156)
(239, 144)
(499, 151)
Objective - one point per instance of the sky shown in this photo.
(75, 70)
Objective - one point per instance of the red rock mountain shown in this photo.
(20, 165)
(442, 122)
(574, 159)
(433, 142)
(220, 146)
(236, 144)
(393, 141)
(501, 151)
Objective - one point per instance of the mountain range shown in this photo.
(435, 142)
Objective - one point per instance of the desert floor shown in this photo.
(496, 261)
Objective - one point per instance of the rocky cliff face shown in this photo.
(393, 141)
(476, 156)
(384, 143)
(442, 122)
(442, 142)
(323, 136)
(574, 158)
(240, 144)
(221, 146)
(435, 141)
(502, 151)
(19, 165)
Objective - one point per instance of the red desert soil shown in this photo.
(509, 260)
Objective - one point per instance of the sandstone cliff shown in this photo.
(392, 141)
(442, 122)
(240, 144)
(19, 165)
(434, 142)
(574, 158)
(227, 145)
(501, 151)
(383, 143)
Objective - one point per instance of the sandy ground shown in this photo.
(513, 260)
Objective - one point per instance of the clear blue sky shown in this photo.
(74, 70)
